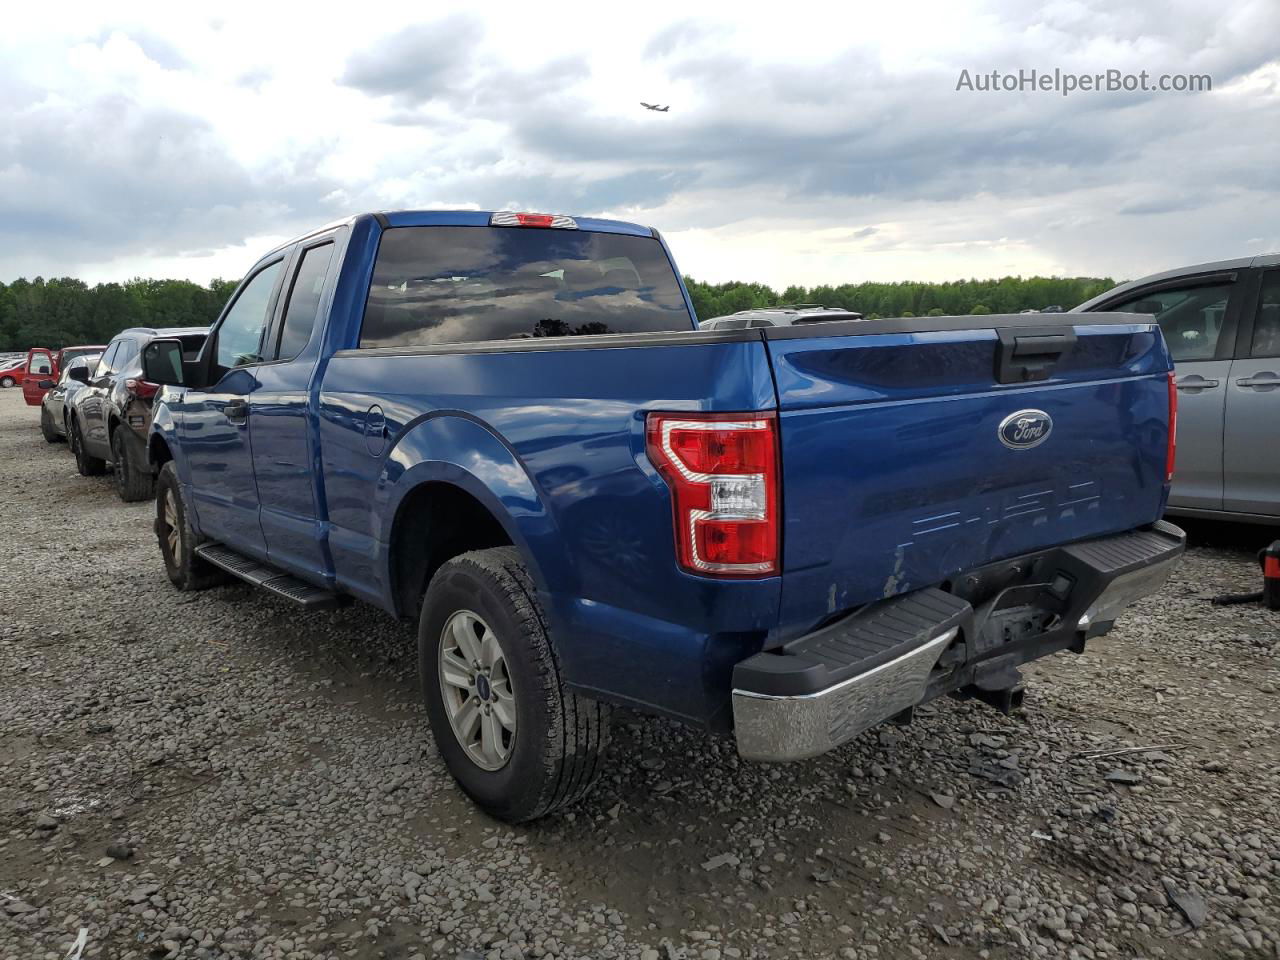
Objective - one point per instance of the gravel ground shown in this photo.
(217, 775)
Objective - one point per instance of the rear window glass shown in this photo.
(434, 285)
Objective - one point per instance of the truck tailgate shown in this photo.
(903, 463)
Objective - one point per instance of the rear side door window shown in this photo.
(106, 366)
(1266, 326)
(303, 305)
(126, 355)
(1192, 318)
(239, 337)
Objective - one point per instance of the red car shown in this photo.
(11, 372)
(43, 366)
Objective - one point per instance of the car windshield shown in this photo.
(436, 285)
(85, 360)
(72, 353)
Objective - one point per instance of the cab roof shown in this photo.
(459, 218)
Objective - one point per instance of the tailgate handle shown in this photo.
(1023, 356)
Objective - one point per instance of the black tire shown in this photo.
(7, 382)
(133, 481)
(560, 738)
(86, 465)
(46, 427)
(186, 570)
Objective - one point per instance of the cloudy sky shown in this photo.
(802, 145)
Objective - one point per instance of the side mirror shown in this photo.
(78, 374)
(45, 384)
(162, 362)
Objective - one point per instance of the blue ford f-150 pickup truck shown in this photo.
(508, 428)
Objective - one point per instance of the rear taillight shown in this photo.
(142, 389)
(723, 473)
(1172, 449)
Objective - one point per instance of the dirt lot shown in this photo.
(217, 775)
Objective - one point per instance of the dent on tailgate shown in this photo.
(896, 476)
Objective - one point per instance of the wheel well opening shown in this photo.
(158, 453)
(435, 523)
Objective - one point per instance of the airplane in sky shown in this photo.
(654, 107)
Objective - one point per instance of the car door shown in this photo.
(216, 432)
(126, 359)
(1198, 318)
(90, 405)
(1251, 453)
(284, 457)
(39, 367)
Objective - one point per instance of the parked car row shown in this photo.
(39, 365)
(102, 405)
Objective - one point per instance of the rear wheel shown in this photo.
(86, 465)
(133, 482)
(177, 540)
(516, 740)
(7, 382)
(46, 427)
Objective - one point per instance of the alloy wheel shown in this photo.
(171, 524)
(476, 686)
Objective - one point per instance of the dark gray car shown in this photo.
(53, 406)
(1222, 323)
(108, 420)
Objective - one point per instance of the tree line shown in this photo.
(904, 299)
(63, 311)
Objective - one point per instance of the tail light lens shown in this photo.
(1172, 450)
(142, 389)
(723, 473)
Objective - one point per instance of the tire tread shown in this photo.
(131, 483)
(578, 737)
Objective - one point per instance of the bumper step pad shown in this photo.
(269, 578)
(821, 690)
(825, 688)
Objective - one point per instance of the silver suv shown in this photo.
(1222, 323)
(781, 316)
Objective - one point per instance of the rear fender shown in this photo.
(456, 449)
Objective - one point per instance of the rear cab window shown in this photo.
(441, 285)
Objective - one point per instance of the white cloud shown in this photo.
(822, 145)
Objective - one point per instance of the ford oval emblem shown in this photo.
(1025, 429)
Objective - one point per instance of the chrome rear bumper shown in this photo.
(822, 690)
(769, 727)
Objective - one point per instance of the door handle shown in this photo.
(1262, 381)
(236, 409)
(1193, 381)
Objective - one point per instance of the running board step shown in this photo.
(269, 578)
